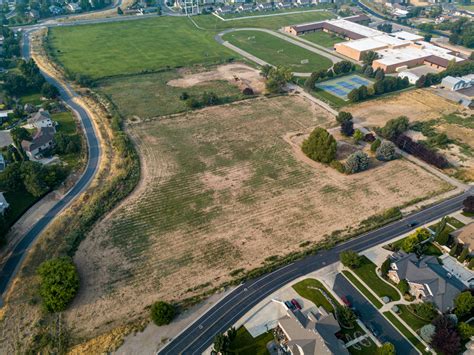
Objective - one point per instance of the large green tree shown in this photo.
(320, 146)
(162, 313)
(463, 303)
(350, 259)
(356, 162)
(59, 283)
(386, 349)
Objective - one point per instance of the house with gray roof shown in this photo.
(313, 334)
(42, 118)
(427, 278)
(42, 140)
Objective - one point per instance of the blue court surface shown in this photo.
(340, 87)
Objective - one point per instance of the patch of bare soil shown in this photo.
(417, 105)
(222, 189)
(237, 74)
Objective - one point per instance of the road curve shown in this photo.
(199, 336)
(11, 266)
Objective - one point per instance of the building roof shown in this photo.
(39, 116)
(347, 27)
(441, 288)
(466, 233)
(405, 35)
(43, 136)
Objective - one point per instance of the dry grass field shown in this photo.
(417, 105)
(222, 189)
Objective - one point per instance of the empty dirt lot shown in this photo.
(417, 105)
(222, 190)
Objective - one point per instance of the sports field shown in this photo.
(277, 51)
(322, 38)
(341, 87)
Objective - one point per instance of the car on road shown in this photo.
(412, 224)
(295, 303)
(372, 329)
(346, 301)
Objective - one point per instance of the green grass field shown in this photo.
(276, 51)
(67, 125)
(278, 12)
(322, 38)
(148, 95)
(151, 44)
(306, 289)
(410, 318)
(245, 344)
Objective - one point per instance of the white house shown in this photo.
(73, 7)
(40, 119)
(457, 83)
(43, 140)
(3, 204)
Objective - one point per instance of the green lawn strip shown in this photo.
(149, 95)
(375, 301)
(277, 51)
(67, 125)
(330, 99)
(275, 11)
(33, 99)
(410, 318)
(468, 214)
(367, 273)
(245, 344)
(19, 202)
(454, 222)
(305, 290)
(406, 333)
(322, 38)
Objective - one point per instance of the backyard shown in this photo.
(277, 51)
(310, 289)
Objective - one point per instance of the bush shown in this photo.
(427, 332)
(358, 136)
(386, 151)
(386, 349)
(463, 303)
(374, 146)
(413, 240)
(404, 287)
(425, 310)
(358, 161)
(347, 128)
(464, 254)
(350, 259)
(162, 313)
(320, 146)
(336, 164)
(369, 138)
(385, 267)
(346, 316)
(59, 283)
(248, 91)
(184, 96)
(344, 116)
(394, 127)
(465, 330)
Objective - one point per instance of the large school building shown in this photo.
(397, 51)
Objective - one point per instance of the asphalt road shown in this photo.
(10, 267)
(199, 336)
(369, 315)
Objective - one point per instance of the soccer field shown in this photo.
(277, 51)
(341, 87)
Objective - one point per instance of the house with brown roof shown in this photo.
(42, 140)
(465, 235)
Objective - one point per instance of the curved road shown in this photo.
(199, 336)
(11, 266)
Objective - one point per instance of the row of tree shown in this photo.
(382, 86)
(338, 68)
(453, 69)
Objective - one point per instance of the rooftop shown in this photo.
(408, 36)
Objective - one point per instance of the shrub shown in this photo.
(248, 91)
(404, 287)
(425, 310)
(413, 240)
(184, 96)
(210, 98)
(320, 146)
(350, 259)
(465, 330)
(464, 254)
(336, 164)
(386, 151)
(347, 128)
(369, 138)
(358, 161)
(454, 249)
(346, 316)
(463, 303)
(344, 116)
(427, 332)
(162, 313)
(59, 283)
(386, 349)
(394, 127)
(358, 136)
(375, 145)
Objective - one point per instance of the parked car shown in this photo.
(346, 301)
(289, 305)
(412, 224)
(372, 329)
(295, 303)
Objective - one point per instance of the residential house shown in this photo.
(284, 4)
(245, 7)
(73, 7)
(42, 140)
(428, 280)
(311, 334)
(458, 270)
(455, 83)
(4, 115)
(34, 14)
(237, 2)
(225, 10)
(55, 10)
(303, 2)
(265, 6)
(3, 204)
(3, 164)
(40, 119)
(465, 235)
(29, 108)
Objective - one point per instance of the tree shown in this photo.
(311, 81)
(350, 259)
(386, 349)
(464, 254)
(386, 151)
(454, 249)
(468, 204)
(425, 310)
(428, 37)
(403, 286)
(463, 303)
(465, 330)
(347, 128)
(342, 67)
(221, 344)
(10, 178)
(441, 235)
(445, 340)
(471, 264)
(49, 91)
(59, 283)
(358, 136)
(119, 11)
(385, 27)
(395, 127)
(375, 145)
(385, 267)
(414, 239)
(357, 161)
(343, 116)
(427, 332)
(368, 57)
(320, 146)
(277, 79)
(379, 74)
(265, 72)
(369, 71)
(354, 95)
(209, 98)
(162, 313)
(345, 316)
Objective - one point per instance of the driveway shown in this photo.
(369, 315)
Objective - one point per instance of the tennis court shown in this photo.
(340, 87)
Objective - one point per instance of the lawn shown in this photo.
(103, 50)
(406, 333)
(245, 344)
(323, 38)
(68, 126)
(277, 51)
(33, 99)
(375, 301)
(368, 274)
(325, 96)
(306, 290)
(19, 202)
(411, 319)
(454, 222)
(148, 95)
